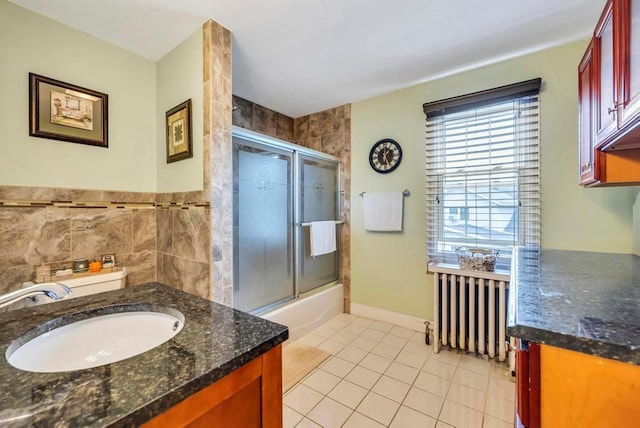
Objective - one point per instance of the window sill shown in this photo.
(453, 269)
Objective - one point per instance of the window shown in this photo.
(482, 169)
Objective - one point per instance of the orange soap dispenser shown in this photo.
(95, 266)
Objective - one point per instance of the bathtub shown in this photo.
(309, 312)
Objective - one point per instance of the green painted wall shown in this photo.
(179, 77)
(33, 43)
(388, 270)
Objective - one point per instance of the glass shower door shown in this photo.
(262, 225)
(318, 195)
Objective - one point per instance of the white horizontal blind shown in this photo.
(483, 177)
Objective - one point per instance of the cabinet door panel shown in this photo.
(586, 138)
(605, 93)
(630, 59)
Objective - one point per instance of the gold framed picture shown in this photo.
(179, 144)
(66, 112)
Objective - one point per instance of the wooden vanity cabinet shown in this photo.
(560, 388)
(609, 99)
(249, 397)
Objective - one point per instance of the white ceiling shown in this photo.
(299, 57)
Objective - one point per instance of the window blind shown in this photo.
(483, 172)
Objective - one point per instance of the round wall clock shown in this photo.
(385, 156)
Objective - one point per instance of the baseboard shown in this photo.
(406, 321)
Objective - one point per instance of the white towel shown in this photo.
(323, 237)
(383, 211)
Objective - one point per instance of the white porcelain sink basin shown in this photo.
(95, 341)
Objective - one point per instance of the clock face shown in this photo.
(385, 156)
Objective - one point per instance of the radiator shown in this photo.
(470, 311)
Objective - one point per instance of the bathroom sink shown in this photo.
(94, 341)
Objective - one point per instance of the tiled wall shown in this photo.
(54, 226)
(255, 117)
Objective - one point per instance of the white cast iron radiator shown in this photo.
(470, 310)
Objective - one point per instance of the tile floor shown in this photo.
(382, 375)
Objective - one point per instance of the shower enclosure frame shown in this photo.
(296, 151)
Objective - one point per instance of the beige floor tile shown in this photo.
(308, 423)
(343, 337)
(418, 337)
(301, 398)
(358, 420)
(441, 424)
(396, 341)
(363, 322)
(391, 388)
(352, 354)
(325, 331)
(432, 383)
(337, 366)
(467, 396)
(331, 346)
(502, 388)
(474, 364)
(350, 318)
(386, 351)
(375, 362)
(382, 326)
(329, 413)
(290, 417)
(354, 329)
(411, 359)
(491, 422)
(372, 334)
(418, 348)
(348, 393)
(338, 324)
(446, 356)
(364, 343)
(424, 402)
(401, 331)
(439, 368)
(500, 370)
(500, 408)
(460, 416)
(378, 408)
(409, 418)
(321, 381)
(363, 377)
(402, 372)
(472, 379)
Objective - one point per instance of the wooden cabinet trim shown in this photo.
(272, 388)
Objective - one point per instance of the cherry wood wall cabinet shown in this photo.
(609, 99)
(250, 397)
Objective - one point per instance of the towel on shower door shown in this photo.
(383, 211)
(323, 237)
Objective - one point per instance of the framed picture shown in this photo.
(66, 112)
(179, 132)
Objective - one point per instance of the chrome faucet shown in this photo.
(52, 290)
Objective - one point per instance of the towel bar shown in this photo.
(309, 224)
(405, 193)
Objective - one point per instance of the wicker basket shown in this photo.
(482, 259)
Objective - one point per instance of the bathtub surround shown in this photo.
(327, 131)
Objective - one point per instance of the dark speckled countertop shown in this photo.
(214, 341)
(581, 301)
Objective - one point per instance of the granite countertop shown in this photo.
(581, 301)
(214, 341)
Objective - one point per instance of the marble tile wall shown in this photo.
(54, 226)
(255, 117)
(218, 163)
